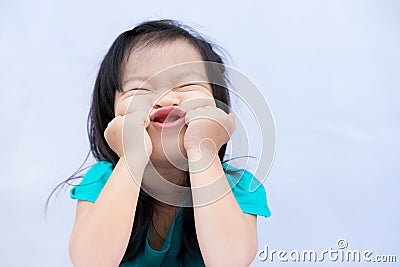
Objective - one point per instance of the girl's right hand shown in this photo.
(127, 134)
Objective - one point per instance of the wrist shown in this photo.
(206, 146)
(134, 167)
(201, 159)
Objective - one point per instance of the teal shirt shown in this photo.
(248, 191)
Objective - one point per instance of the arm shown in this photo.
(226, 235)
(102, 229)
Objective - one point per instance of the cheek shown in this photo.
(131, 104)
(196, 95)
(120, 107)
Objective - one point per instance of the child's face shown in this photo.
(157, 93)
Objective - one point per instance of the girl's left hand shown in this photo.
(208, 122)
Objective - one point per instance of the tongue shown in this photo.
(170, 118)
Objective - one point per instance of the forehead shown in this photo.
(144, 62)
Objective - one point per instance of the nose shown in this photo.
(170, 98)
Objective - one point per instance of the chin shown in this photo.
(169, 153)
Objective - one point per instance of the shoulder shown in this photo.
(249, 192)
(93, 182)
(242, 178)
(100, 170)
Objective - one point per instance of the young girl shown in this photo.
(132, 118)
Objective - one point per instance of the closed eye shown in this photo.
(139, 90)
(188, 86)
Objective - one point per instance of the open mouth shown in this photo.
(167, 117)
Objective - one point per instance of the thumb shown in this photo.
(232, 115)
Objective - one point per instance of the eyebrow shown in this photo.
(192, 73)
(144, 78)
(140, 78)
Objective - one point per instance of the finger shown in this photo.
(116, 119)
(137, 118)
(204, 113)
(146, 123)
(113, 124)
(191, 115)
(134, 103)
(232, 127)
(232, 116)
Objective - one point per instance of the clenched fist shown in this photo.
(208, 123)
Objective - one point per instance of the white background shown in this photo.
(329, 69)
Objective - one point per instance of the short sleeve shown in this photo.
(248, 191)
(93, 182)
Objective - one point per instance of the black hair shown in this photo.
(108, 82)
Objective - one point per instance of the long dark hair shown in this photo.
(108, 82)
